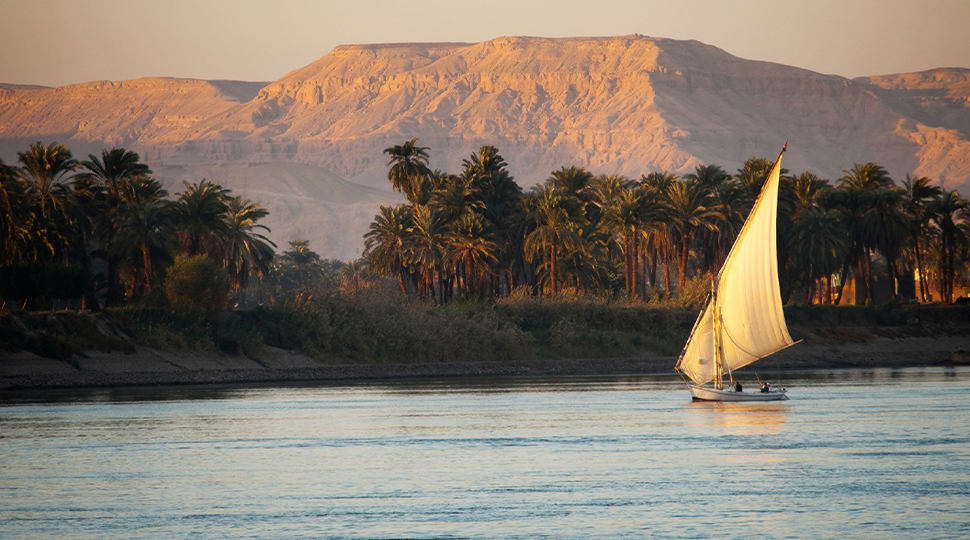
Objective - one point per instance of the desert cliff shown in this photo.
(628, 105)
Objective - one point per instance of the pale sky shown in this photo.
(58, 42)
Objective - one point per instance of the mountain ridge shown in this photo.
(625, 104)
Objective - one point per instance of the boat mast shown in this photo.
(716, 334)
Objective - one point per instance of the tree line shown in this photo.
(477, 233)
(108, 212)
(105, 230)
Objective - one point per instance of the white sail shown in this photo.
(746, 299)
(697, 360)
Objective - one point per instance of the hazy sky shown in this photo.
(57, 42)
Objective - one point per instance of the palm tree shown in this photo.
(471, 247)
(918, 192)
(806, 188)
(387, 242)
(583, 267)
(111, 174)
(246, 251)
(735, 202)
(200, 218)
(630, 217)
(455, 195)
(12, 206)
(660, 239)
(299, 260)
(114, 166)
(886, 226)
(944, 209)
(500, 197)
(409, 166)
(852, 200)
(46, 170)
(555, 229)
(427, 245)
(818, 243)
(144, 227)
(866, 176)
(607, 187)
(485, 169)
(355, 275)
(689, 207)
(709, 177)
(753, 174)
(575, 181)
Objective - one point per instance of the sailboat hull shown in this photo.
(701, 393)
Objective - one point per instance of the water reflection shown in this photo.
(740, 418)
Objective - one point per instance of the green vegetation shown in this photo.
(478, 234)
(472, 267)
(58, 335)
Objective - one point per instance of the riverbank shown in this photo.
(348, 340)
(149, 367)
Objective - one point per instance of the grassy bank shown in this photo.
(381, 329)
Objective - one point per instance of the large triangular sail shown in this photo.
(744, 316)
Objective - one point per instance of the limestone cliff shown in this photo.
(627, 105)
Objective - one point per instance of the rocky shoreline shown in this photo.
(148, 367)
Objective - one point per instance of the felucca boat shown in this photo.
(742, 321)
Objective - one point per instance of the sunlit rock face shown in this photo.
(627, 105)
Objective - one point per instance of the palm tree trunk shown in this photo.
(634, 267)
(441, 284)
(942, 272)
(627, 278)
(552, 266)
(919, 269)
(950, 241)
(147, 262)
(666, 261)
(870, 296)
(842, 277)
(682, 264)
(891, 267)
(809, 284)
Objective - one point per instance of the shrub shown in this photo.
(196, 283)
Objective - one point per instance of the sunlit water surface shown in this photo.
(853, 454)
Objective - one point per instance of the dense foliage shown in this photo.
(478, 234)
(581, 265)
(109, 221)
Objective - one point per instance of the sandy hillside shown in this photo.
(304, 202)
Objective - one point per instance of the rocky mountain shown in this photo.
(627, 105)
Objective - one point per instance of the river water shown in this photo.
(860, 454)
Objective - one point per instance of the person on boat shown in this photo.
(737, 386)
(766, 387)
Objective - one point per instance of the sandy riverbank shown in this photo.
(147, 367)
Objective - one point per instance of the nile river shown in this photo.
(853, 454)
